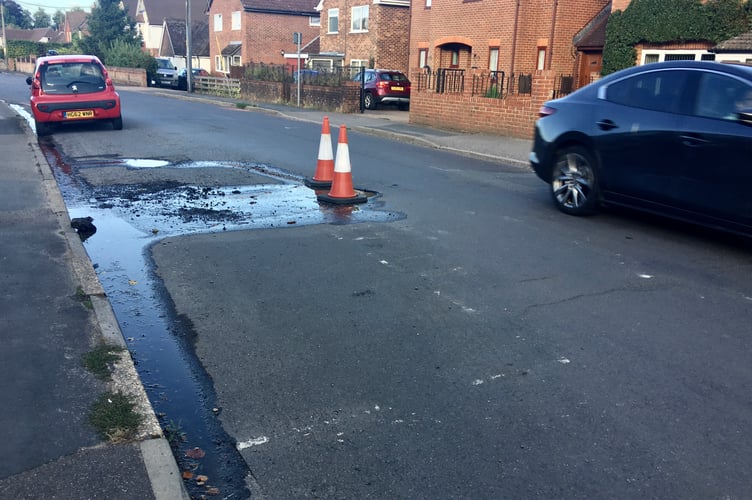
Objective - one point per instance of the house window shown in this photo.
(455, 59)
(236, 61)
(333, 17)
(493, 59)
(422, 58)
(541, 58)
(217, 22)
(236, 20)
(218, 66)
(652, 55)
(358, 63)
(428, 4)
(359, 18)
(314, 21)
(651, 58)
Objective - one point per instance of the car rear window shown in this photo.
(395, 77)
(72, 78)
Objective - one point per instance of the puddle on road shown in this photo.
(131, 217)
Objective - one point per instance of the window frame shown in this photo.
(218, 22)
(359, 15)
(236, 16)
(332, 16)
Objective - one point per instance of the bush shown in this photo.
(129, 55)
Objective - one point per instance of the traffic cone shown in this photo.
(342, 192)
(325, 164)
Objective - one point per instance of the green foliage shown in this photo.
(21, 48)
(108, 24)
(663, 21)
(58, 19)
(42, 19)
(16, 16)
(128, 54)
(114, 417)
(101, 359)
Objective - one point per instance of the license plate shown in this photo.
(77, 115)
(398, 88)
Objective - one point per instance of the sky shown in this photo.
(51, 6)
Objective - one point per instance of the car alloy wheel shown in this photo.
(369, 101)
(574, 185)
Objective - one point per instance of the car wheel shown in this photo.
(574, 185)
(369, 101)
(117, 123)
(42, 128)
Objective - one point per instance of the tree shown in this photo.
(108, 24)
(58, 19)
(15, 16)
(42, 19)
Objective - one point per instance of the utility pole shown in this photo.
(188, 55)
(5, 39)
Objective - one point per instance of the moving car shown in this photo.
(167, 73)
(72, 88)
(384, 86)
(183, 81)
(671, 138)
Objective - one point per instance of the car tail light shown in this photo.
(382, 84)
(546, 111)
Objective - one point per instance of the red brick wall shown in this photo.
(512, 116)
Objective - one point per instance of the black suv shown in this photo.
(383, 86)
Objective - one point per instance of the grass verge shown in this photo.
(114, 417)
(100, 360)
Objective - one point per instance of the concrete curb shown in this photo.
(162, 469)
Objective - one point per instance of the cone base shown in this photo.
(313, 183)
(358, 198)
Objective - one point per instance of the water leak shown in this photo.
(171, 200)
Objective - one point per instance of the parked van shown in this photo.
(167, 73)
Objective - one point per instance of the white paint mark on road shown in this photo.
(252, 442)
(645, 276)
(477, 381)
(564, 361)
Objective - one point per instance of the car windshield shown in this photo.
(164, 64)
(72, 78)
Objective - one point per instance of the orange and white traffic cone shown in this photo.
(325, 164)
(342, 192)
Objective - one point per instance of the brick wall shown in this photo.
(344, 99)
(512, 116)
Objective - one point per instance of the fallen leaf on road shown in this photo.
(195, 453)
(187, 474)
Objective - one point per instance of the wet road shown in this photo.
(481, 345)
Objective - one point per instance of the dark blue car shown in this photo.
(670, 138)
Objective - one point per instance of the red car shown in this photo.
(72, 88)
(382, 86)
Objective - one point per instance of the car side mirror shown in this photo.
(28, 80)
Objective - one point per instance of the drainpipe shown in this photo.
(551, 37)
(514, 35)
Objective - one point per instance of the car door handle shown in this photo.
(606, 124)
(693, 140)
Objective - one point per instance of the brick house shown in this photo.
(490, 41)
(364, 33)
(258, 31)
(149, 16)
